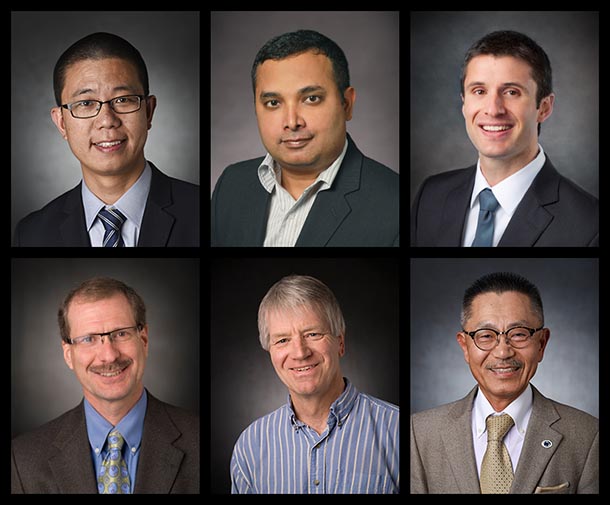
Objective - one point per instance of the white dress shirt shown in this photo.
(520, 410)
(131, 205)
(287, 215)
(509, 194)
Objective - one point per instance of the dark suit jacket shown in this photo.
(56, 458)
(553, 212)
(443, 460)
(360, 209)
(171, 218)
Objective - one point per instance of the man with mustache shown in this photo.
(120, 439)
(513, 196)
(314, 187)
(504, 436)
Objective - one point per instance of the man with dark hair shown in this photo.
(504, 436)
(120, 439)
(104, 110)
(314, 187)
(329, 438)
(513, 196)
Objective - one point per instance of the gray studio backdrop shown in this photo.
(569, 372)
(370, 42)
(42, 165)
(439, 41)
(42, 385)
(244, 384)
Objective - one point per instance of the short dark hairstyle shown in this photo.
(98, 46)
(501, 282)
(518, 45)
(301, 41)
(100, 288)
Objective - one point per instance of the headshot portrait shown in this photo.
(305, 129)
(515, 160)
(505, 363)
(105, 129)
(303, 360)
(111, 404)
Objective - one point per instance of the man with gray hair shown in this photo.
(328, 438)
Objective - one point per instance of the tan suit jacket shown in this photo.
(443, 460)
(56, 458)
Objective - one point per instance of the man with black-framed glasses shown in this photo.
(104, 111)
(504, 436)
(120, 439)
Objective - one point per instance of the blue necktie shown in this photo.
(485, 226)
(112, 219)
(114, 477)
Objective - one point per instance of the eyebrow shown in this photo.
(84, 91)
(504, 85)
(302, 91)
(492, 326)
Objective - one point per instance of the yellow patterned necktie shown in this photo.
(114, 477)
(496, 469)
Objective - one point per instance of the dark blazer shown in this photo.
(56, 458)
(553, 212)
(360, 209)
(171, 218)
(443, 460)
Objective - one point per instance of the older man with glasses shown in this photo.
(104, 110)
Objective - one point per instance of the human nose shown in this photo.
(300, 349)
(495, 105)
(293, 119)
(503, 348)
(107, 117)
(106, 349)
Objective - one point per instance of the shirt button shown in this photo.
(316, 482)
(97, 451)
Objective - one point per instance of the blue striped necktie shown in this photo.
(112, 219)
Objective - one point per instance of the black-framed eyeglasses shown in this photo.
(119, 336)
(85, 109)
(487, 338)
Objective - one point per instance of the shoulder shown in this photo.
(45, 436)
(267, 425)
(577, 419)
(377, 404)
(426, 418)
(241, 172)
(449, 179)
(184, 420)
(178, 185)
(51, 210)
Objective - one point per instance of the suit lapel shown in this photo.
(71, 463)
(455, 210)
(331, 208)
(457, 439)
(159, 460)
(73, 228)
(157, 221)
(534, 457)
(531, 218)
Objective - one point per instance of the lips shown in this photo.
(296, 142)
(304, 368)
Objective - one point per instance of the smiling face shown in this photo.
(110, 373)
(109, 143)
(300, 112)
(499, 106)
(504, 372)
(304, 355)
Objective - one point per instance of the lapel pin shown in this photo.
(547, 444)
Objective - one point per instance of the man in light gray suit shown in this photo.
(549, 448)
(120, 439)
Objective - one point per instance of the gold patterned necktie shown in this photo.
(496, 469)
(114, 477)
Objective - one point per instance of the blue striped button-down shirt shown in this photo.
(357, 453)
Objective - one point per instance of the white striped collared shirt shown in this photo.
(357, 453)
(287, 215)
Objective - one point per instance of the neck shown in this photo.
(495, 170)
(110, 187)
(313, 410)
(114, 410)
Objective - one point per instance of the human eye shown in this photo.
(281, 341)
(272, 104)
(313, 99)
(485, 335)
(313, 335)
(85, 340)
(519, 334)
(512, 92)
(478, 91)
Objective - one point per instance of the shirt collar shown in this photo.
(339, 409)
(270, 173)
(519, 410)
(131, 204)
(130, 427)
(511, 190)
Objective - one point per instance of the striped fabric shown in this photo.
(112, 219)
(357, 453)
